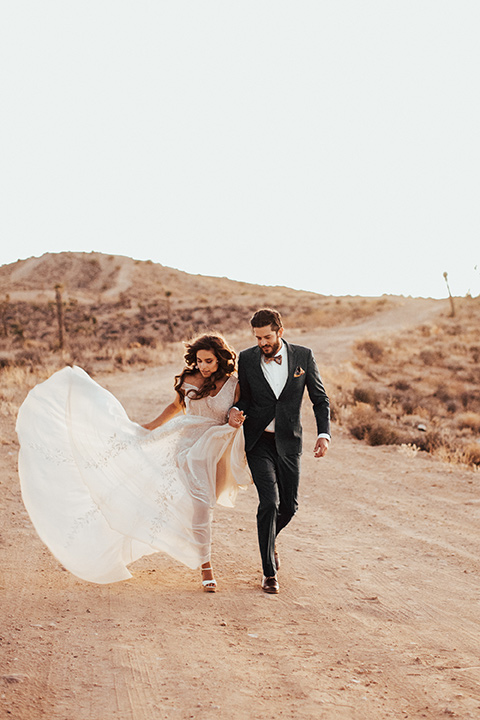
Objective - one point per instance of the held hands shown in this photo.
(321, 447)
(236, 418)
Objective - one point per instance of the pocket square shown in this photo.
(298, 372)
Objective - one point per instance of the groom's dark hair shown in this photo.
(267, 316)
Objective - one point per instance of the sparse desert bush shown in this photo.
(409, 406)
(431, 357)
(364, 424)
(475, 350)
(372, 348)
(471, 454)
(360, 419)
(401, 384)
(382, 432)
(146, 340)
(470, 399)
(366, 394)
(443, 394)
(432, 440)
(29, 358)
(470, 420)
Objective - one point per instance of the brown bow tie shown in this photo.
(277, 359)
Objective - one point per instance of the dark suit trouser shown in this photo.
(276, 479)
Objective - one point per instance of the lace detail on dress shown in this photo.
(53, 455)
(215, 407)
(164, 499)
(165, 496)
(114, 448)
(80, 523)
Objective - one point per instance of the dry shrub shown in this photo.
(409, 406)
(470, 420)
(30, 358)
(431, 441)
(366, 394)
(443, 394)
(146, 340)
(471, 400)
(431, 357)
(371, 348)
(475, 350)
(131, 356)
(401, 385)
(383, 432)
(425, 330)
(471, 454)
(361, 419)
(364, 424)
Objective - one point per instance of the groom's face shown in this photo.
(268, 340)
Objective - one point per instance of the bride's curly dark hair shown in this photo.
(227, 363)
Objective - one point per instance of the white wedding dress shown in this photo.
(102, 491)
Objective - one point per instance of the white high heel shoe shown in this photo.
(211, 584)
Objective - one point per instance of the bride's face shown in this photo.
(207, 362)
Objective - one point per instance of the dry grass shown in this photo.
(469, 420)
(330, 312)
(120, 312)
(420, 389)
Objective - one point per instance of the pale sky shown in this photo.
(328, 146)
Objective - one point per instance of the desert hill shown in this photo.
(114, 302)
(96, 277)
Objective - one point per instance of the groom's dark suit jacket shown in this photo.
(260, 405)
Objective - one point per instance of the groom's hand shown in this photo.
(236, 417)
(321, 447)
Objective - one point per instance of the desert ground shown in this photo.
(378, 615)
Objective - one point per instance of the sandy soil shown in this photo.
(378, 615)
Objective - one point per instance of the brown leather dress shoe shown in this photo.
(270, 585)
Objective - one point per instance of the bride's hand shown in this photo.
(236, 418)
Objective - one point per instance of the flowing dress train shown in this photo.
(102, 491)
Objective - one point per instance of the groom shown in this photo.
(273, 375)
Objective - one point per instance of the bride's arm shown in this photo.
(170, 411)
(236, 416)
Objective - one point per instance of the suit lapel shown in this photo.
(292, 357)
(257, 368)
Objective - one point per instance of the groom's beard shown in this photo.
(271, 350)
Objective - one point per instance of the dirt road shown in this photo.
(378, 615)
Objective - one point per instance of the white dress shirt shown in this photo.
(276, 376)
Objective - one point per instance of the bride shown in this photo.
(103, 491)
